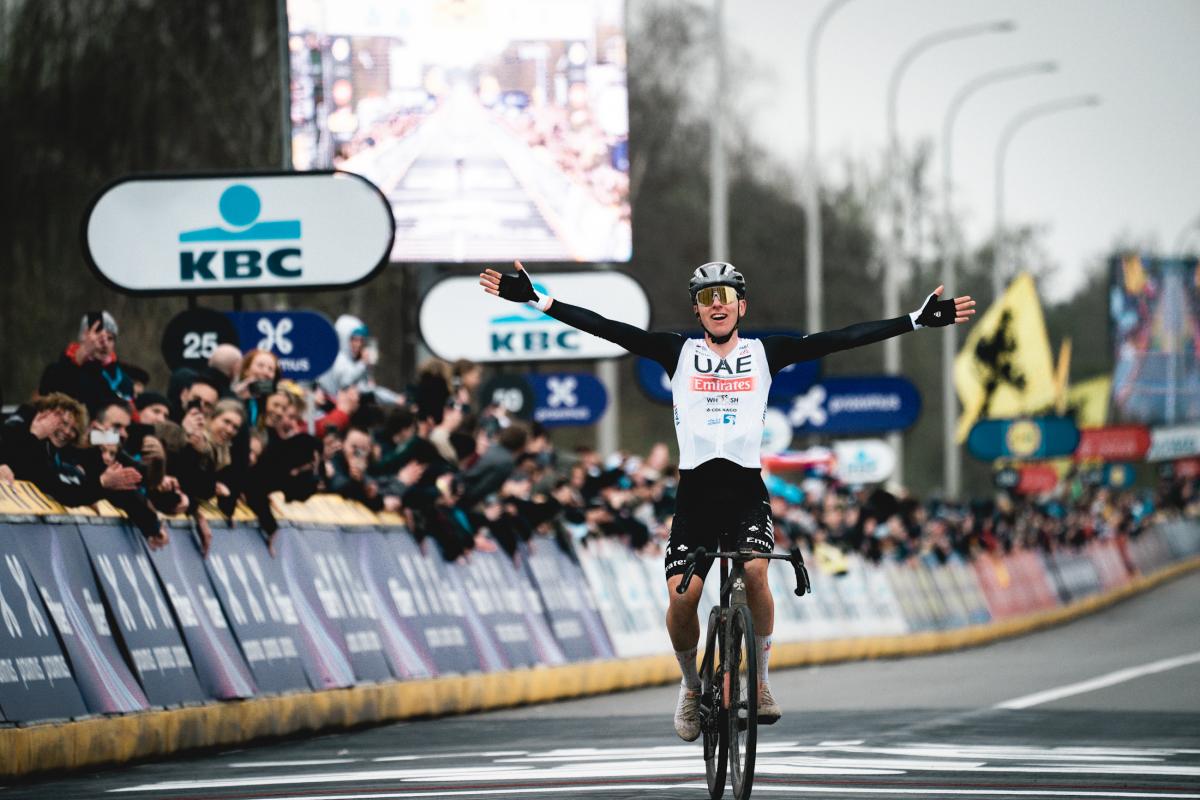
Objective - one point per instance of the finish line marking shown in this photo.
(1111, 679)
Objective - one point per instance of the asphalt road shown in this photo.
(1106, 707)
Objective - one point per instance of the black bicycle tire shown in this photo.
(713, 732)
(741, 764)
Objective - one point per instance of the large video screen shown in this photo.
(497, 129)
(1154, 309)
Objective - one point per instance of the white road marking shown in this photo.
(1111, 679)
(486, 754)
(315, 762)
(892, 790)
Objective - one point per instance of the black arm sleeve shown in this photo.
(663, 347)
(783, 351)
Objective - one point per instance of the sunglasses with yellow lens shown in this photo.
(727, 295)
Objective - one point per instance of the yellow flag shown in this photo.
(1089, 401)
(1005, 367)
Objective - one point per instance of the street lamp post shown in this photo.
(893, 264)
(952, 458)
(1001, 270)
(718, 208)
(812, 189)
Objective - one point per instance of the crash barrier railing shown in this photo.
(110, 651)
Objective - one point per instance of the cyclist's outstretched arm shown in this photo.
(934, 313)
(662, 347)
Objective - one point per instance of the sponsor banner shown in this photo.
(996, 584)
(1114, 443)
(625, 598)
(1109, 564)
(58, 561)
(220, 666)
(450, 632)
(568, 398)
(1150, 551)
(253, 592)
(1183, 538)
(950, 592)
(336, 611)
(570, 610)
(403, 642)
(459, 320)
(864, 460)
(176, 234)
(1025, 438)
(305, 342)
(143, 618)
(875, 404)
(968, 589)
(929, 595)
(496, 607)
(1073, 574)
(1036, 479)
(918, 613)
(1177, 442)
(35, 679)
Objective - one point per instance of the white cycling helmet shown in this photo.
(716, 273)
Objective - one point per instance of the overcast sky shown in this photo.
(1129, 169)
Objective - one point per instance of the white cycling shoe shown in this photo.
(687, 715)
(768, 710)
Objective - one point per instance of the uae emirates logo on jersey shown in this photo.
(702, 383)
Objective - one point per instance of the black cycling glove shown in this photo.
(934, 313)
(518, 288)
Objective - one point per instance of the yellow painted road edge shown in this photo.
(152, 734)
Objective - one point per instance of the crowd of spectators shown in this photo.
(461, 474)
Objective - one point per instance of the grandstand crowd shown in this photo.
(462, 474)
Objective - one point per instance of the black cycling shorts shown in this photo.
(723, 507)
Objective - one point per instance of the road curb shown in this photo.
(33, 749)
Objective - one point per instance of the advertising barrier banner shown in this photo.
(856, 405)
(496, 609)
(334, 607)
(420, 584)
(459, 320)
(144, 620)
(35, 679)
(1113, 443)
(193, 234)
(1031, 437)
(570, 609)
(625, 598)
(568, 398)
(403, 641)
(220, 666)
(252, 590)
(305, 342)
(58, 561)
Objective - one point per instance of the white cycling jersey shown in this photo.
(720, 403)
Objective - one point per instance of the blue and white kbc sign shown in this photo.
(303, 341)
(568, 398)
(193, 234)
(856, 405)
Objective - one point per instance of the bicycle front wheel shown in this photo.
(712, 714)
(742, 672)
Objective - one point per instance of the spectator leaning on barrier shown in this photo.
(88, 370)
(496, 464)
(32, 438)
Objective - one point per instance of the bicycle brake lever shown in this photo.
(693, 559)
(803, 586)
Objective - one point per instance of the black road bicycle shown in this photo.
(729, 671)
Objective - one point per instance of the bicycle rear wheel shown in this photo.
(712, 714)
(742, 669)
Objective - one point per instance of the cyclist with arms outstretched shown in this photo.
(719, 386)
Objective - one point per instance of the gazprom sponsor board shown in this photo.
(568, 398)
(856, 405)
(459, 320)
(305, 342)
(180, 234)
